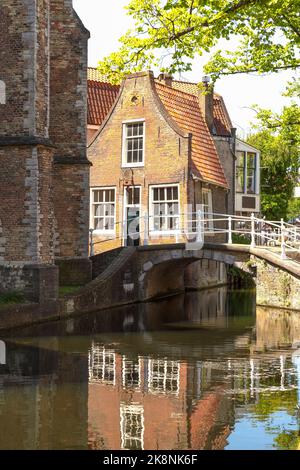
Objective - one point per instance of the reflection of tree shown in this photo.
(268, 404)
(288, 440)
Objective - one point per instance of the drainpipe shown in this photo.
(233, 149)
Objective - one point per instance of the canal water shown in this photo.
(205, 370)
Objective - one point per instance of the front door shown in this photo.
(132, 202)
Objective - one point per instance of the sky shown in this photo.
(107, 21)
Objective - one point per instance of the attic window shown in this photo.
(134, 100)
(133, 143)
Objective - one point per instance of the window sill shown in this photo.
(133, 165)
(104, 232)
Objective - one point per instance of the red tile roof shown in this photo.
(94, 74)
(187, 87)
(185, 111)
(101, 97)
(222, 122)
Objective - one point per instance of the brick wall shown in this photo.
(224, 149)
(68, 84)
(71, 204)
(43, 53)
(26, 167)
(276, 287)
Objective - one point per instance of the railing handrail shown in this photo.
(259, 231)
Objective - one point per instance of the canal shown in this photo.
(205, 370)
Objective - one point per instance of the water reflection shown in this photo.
(200, 371)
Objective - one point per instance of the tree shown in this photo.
(278, 139)
(279, 171)
(179, 30)
(293, 209)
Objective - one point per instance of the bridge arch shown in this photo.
(163, 271)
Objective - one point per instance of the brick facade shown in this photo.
(167, 159)
(42, 123)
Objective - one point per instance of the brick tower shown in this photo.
(43, 165)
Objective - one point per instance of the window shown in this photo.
(131, 373)
(251, 167)
(164, 208)
(103, 207)
(133, 196)
(207, 209)
(132, 427)
(163, 376)
(101, 365)
(240, 172)
(133, 144)
(246, 172)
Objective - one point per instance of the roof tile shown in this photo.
(222, 122)
(101, 97)
(184, 109)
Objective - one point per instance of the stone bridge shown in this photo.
(136, 274)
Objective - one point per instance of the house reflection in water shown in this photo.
(179, 374)
(152, 403)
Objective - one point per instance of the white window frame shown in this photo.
(125, 164)
(210, 226)
(97, 351)
(92, 224)
(151, 210)
(133, 409)
(125, 361)
(245, 171)
(164, 377)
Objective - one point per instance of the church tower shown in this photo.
(43, 165)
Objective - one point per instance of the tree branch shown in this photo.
(230, 9)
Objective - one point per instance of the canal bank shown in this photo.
(138, 274)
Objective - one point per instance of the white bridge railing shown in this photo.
(280, 237)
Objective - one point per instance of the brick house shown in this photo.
(153, 403)
(153, 155)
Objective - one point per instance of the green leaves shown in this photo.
(278, 139)
(170, 33)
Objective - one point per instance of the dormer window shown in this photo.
(133, 143)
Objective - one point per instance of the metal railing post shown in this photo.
(146, 225)
(282, 228)
(230, 230)
(91, 242)
(200, 222)
(253, 244)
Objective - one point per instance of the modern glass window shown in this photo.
(103, 205)
(132, 427)
(133, 143)
(207, 209)
(240, 172)
(101, 365)
(163, 376)
(246, 172)
(164, 208)
(251, 172)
